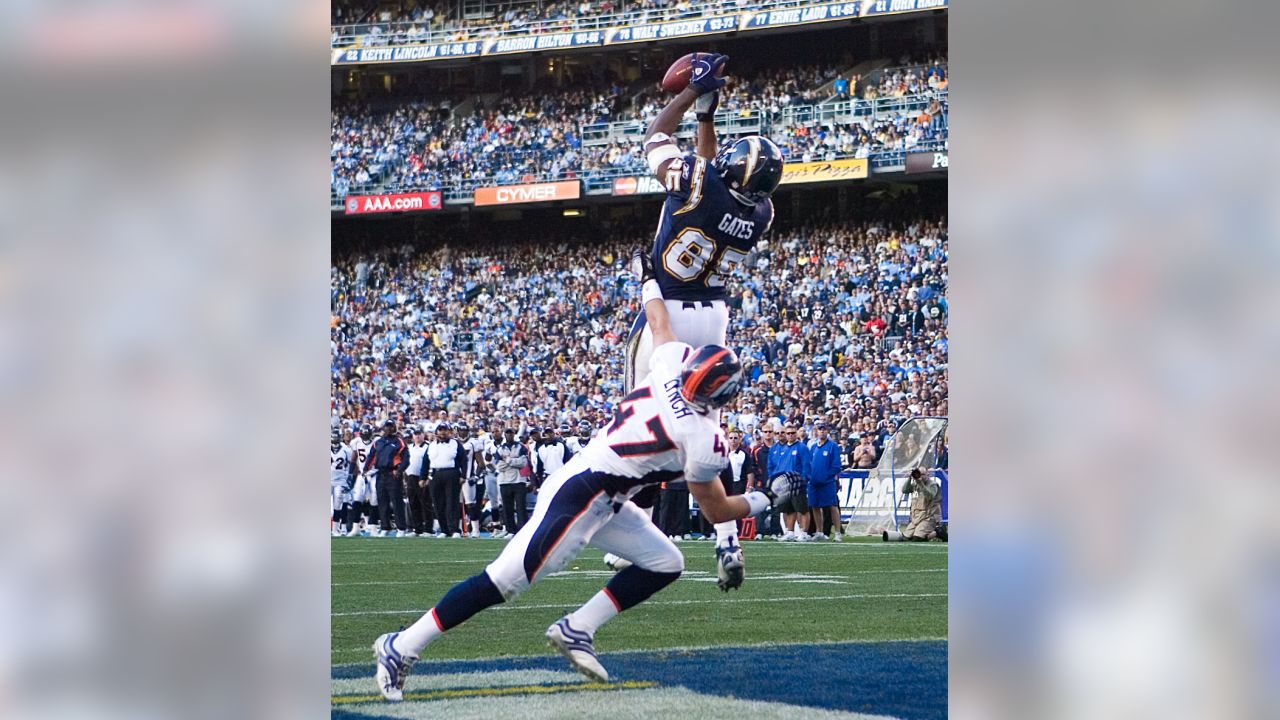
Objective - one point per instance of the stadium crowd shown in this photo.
(834, 322)
(374, 23)
(538, 135)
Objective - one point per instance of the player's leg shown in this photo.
(497, 503)
(639, 349)
(568, 513)
(468, 490)
(655, 564)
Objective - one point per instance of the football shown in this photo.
(677, 77)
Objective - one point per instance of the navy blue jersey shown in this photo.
(703, 234)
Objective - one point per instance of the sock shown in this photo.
(599, 610)
(475, 527)
(634, 585)
(726, 533)
(461, 602)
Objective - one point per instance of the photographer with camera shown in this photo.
(926, 509)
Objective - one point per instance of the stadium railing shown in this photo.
(600, 181)
(728, 122)
(396, 33)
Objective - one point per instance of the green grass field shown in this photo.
(862, 590)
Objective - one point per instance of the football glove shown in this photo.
(704, 108)
(784, 486)
(730, 568)
(705, 76)
(642, 266)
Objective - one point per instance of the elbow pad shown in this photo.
(658, 151)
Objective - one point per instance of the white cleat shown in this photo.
(354, 531)
(457, 535)
(615, 563)
(819, 536)
(577, 647)
(787, 537)
(393, 667)
(803, 537)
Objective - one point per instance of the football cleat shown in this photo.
(393, 667)
(577, 647)
(615, 563)
(730, 568)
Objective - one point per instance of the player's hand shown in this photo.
(783, 487)
(705, 76)
(704, 108)
(422, 483)
(642, 265)
(730, 567)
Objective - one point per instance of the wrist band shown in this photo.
(650, 291)
(758, 501)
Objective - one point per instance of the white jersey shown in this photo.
(656, 437)
(577, 444)
(340, 464)
(361, 449)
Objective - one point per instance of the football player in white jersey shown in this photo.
(342, 475)
(578, 443)
(668, 427)
(363, 497)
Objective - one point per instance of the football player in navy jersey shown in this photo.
(717, 208)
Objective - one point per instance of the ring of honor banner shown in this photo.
(648, 32)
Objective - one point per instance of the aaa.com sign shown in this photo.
(399, 202)
(537, 192)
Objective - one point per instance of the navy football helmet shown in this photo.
(335, 439)
(751, 167)
(711, 378)
(366, 432)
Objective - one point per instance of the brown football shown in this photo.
(677, 77)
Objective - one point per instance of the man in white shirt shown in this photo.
(420, 511)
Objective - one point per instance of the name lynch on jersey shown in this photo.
(678, 406)
(737, 227)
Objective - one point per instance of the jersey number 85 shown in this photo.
(690, 254)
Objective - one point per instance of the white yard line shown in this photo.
(688, 574)
(710, 601)
(672, 649)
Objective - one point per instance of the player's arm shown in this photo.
(704, 109)
(655, 313)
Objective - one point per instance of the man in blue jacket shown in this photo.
(791, 455)
(824, 469)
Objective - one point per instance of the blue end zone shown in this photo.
(904, 679)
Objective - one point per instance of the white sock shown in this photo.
(726, 533)
(417, 636)
(475, 527)
(598, 611)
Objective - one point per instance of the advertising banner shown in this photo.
(399, 202)
(552, 41)
(536, 192)
(679, 28)
(406, 53)
(801, 16)
(926, 162)
(850, 169)
(857, 490)
(641, 185)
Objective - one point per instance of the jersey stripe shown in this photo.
(695, 179)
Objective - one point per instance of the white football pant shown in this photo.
(696, 322)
